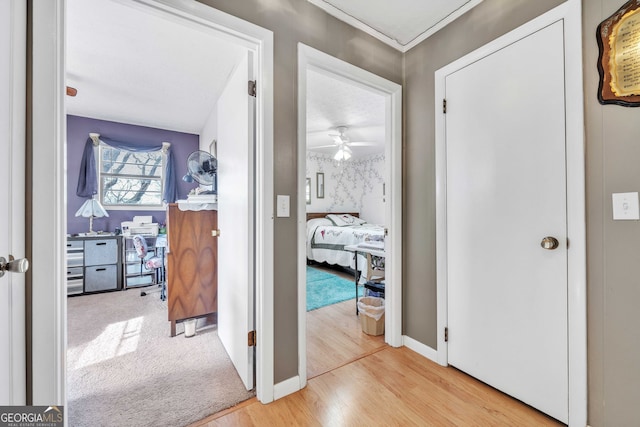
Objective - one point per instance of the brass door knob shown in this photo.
(549, 243)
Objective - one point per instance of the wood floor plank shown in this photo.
(335, 338)
(355, 379)
(390, 387)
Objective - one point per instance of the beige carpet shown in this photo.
(123, 369)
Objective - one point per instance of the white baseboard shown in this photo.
(286, 387)
(421, 349)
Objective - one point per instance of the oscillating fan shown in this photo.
(202, 168)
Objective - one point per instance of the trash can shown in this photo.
(189, 328)
(371, 315)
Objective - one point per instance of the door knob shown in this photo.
(13, 265)
(549, 243)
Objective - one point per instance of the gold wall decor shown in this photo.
(619, 60)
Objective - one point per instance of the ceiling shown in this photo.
(332, 103)
(134, 67)
(401, 24)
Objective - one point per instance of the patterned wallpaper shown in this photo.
(355, 185)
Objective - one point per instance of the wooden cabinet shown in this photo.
(192, 264)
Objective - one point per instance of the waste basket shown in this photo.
(189, 328)
(371, 315)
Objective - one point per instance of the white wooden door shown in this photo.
(12, 206)
(236, 220)
(506, 191)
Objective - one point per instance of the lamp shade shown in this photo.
(92, 208)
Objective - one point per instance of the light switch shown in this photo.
(282, 209)
(625, 206)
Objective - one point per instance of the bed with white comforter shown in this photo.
(327, 237)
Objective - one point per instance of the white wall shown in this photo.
(209, 131)
(355, 185)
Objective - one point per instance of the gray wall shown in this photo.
(613, 247)
(613, 156)
(294, 21)
(484, 23)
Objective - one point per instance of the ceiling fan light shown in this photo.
(342, 154)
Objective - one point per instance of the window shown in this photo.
(130, 179)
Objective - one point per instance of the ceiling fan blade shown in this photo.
(312, 147)
(363, 144)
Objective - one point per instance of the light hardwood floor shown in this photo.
(356, 380)
(389, 387)
(335, 338)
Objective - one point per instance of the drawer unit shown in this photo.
(75, 281)
(100, 251)
(135, 274)
(93, 264)
(101, 278)
(75, 253)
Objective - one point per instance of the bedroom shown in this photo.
(123, 123)
(347, 128)
(120, 342)
(345, 169)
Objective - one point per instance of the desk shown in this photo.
(362, 248)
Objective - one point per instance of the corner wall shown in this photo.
(613, 247)
(293, 22)
(612, 159)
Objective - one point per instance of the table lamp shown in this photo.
(91, 208)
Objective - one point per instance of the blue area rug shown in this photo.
(325, 289)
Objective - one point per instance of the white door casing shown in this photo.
(312, 59)
(49, 336)
(236, 219)
(13, 21)
(465, 204)
(506, 191)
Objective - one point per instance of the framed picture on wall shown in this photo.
(308, 191)
(320, 185)
(619, 57)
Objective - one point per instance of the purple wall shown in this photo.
(78, 129)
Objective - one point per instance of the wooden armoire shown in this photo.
(192, 264)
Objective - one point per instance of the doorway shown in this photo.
(311, 60)
(508, 282)
(48, 26)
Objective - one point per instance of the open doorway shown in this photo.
(345, 172)
(349, 179)
(181, 91)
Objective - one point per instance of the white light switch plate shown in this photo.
(625, 206)
(282, 209)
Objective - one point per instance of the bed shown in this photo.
(328, 233)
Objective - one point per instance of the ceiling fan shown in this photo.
(342, 142)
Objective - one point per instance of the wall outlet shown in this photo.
(625, 206)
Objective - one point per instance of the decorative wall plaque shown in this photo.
(619, 60)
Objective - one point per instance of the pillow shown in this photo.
(343, 220)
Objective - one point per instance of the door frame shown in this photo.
(313, 59)
(14, 284)
(570, 13)
(48, 191)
